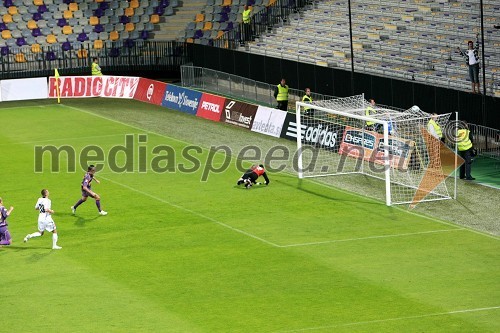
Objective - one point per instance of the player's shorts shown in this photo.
(47, 224)
(86, 194)
(250, 175)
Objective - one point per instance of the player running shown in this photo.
(250, 176)
(5, 238)
(87, 191)
(45, 221)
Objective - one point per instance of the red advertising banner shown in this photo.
(150, 91)
(370, 146)
(94, 86)
(211, 107)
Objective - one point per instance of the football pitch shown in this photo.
(183, 249)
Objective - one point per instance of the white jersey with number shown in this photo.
(44, 205)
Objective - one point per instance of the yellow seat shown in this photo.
(134, 4)
(99, 0)
(220, 33)
(227, 3)
(189, 40)
(68, 14)
(98, 44)
(129, 27)
(73, 6)
(32, 24)
(114, 35)
(129, 12)
(20, 57)
(207, 26)
(199, 18)
(51, 39)
(6, 34)
(38, 2)
(82, 53)
(13, 10)
(67, 30)
(35, 48)
(7, 18)
(155, 18)
(93, 20)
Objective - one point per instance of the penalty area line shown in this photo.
(371, 237)
(367, 322)
(192, 212)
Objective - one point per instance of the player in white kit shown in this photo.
(45, 221)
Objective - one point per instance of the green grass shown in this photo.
(176, 254)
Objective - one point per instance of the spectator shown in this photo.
(281, 95)
(464, 146)
(307, 98)
(471, 58)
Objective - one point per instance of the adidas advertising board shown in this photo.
(239, 113)
(320, 135)
(211, 107)
(269, 121)
(150, 91)
(181, 99)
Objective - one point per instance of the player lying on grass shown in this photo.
(250, 176)
(5, 238)
(45, 221)
(87, 191)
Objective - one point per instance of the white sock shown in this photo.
(35, 234)
(54, 239)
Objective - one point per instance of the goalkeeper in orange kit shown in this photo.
(251, 175)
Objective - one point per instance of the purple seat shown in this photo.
(198, 34)
(230, 26)
(98, 12)
(114, 52)
(129, 43)
(98, 28)
(20, 41)
(4, 50)
(104, 5)
(226, 9)
(42, 9)
(67, 1)
(160, 10)
(164, 3)
(124, 19)
(82, 37)
(144, 34)
(3, 26)
(62, 22)
(37, 16)
(66, 46)
(36, 32)
(224, 17)
(50, 56)
(8, 3)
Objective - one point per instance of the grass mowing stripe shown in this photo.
(392, 319)
(60, 139)
(285, 172)
(370, 237)
(192, 212)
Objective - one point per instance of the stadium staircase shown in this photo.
(169, 28)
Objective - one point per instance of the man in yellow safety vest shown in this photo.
(281, 95)
(434, 128)
(247, 27)
(369, 111)
(96, 69)
(464, 146)
(307, 98)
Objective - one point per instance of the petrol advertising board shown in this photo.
(211, 107)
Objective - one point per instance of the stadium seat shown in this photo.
(129, 12)
(20, 41)
(51, 39)
(13, 10)
(20, 57)
(73, 6)
(114, 36)
(129, 27)
(155, 18)
(199, 18)
(7, 18)
(134, 4)
(98, 44)
(35, 48)
(38, 2)
(6, 34)
(67, 30)
(68, 14)
(82, 54)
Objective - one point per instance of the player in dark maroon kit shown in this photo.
(250, 176)
(87, 191)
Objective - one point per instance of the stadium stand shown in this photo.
(411, 40)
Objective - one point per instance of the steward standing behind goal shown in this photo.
(250, 176)
(281, 95)
(307, 98)
(369, 111)
(434, 128)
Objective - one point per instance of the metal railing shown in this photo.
(486, 140)
(238, 87)
(25, 61)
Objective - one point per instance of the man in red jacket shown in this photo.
(250, 176)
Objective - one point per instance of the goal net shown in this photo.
(349, 135)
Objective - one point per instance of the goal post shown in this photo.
(348, 136)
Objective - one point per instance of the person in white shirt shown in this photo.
(471, 57)
(45, 221)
